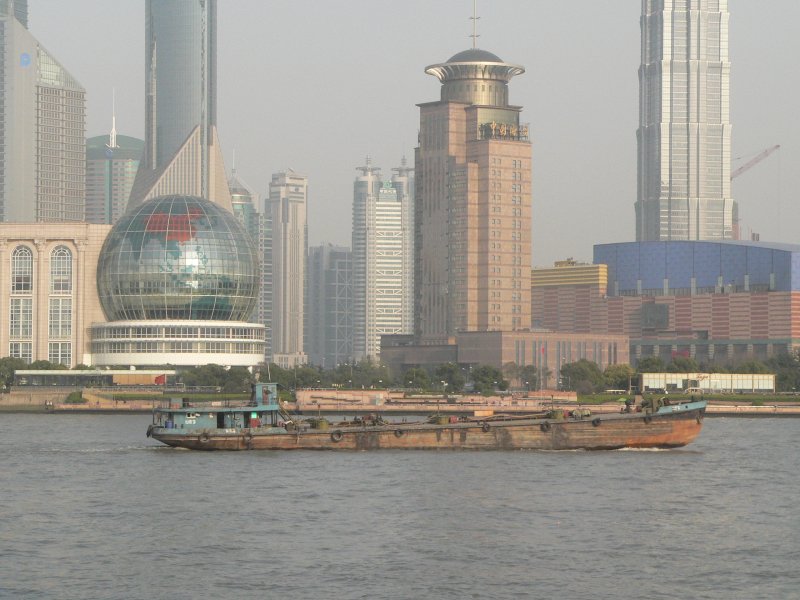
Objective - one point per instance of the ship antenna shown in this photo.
(474, 18)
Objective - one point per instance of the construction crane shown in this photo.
(754, 161)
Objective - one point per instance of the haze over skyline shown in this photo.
(318, 87)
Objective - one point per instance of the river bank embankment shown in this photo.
(319, 402)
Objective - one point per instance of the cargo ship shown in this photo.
(262, 424)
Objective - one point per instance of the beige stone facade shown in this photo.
(473, 204)
(48, 297)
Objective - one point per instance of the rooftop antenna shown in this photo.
(474, 18)
(112, 137)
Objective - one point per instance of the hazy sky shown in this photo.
(319, 85)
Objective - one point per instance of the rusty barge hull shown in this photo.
(609, 432)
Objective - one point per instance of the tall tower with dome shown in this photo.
(473, 203)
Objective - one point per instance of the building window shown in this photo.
(60, 271)
(21, 350)
(21, 270)
(21, 318)
(60, 318)
(60, 353)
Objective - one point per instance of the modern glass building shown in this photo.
(178, 278)
(244, 203)
(182, 153)
(329, 314)
(699, 268)
(684, 135)
(111, 169)
(42, 128)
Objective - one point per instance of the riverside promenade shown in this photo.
(310, 402)
(330, 401)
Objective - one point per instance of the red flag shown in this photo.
(161, 379)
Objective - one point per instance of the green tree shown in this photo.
(511, 372)
(8, 366)
(529, 377)
(204, 376)
(618, 377)
(753, 366)
(46, 365)
(451, 374)
(237, 380)
(416, 378)
(683, 364)
(650, 364)
(306, 376)
(787, 371)
(583, 376)
(487, 379)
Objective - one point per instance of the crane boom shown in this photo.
(754, 161)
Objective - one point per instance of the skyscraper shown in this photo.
(111, 166)
(42, 128)
(286, 207)
(182, 153)
(684, 135)
(472, 203)
(329, 315)
(243, 203)
(382, 239)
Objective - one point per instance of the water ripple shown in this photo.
(91, 509)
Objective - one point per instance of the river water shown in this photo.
(90, 508)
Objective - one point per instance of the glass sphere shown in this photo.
(178, 258)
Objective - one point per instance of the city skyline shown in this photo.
(584, 145)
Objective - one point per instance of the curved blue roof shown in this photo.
(702, 264)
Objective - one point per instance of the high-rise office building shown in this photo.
(182, 153)
(286, 210)
(472, 203)
(684, 135)
(329, 302)
(382, 242)
(243, 203)
(42, 128)
(19, 8)
(111, 166)
(264, 305)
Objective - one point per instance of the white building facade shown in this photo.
(382, 259)
(684, 135)
(286, 208)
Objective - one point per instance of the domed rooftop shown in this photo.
(475, 55)
(475, 76)
(178, 258)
